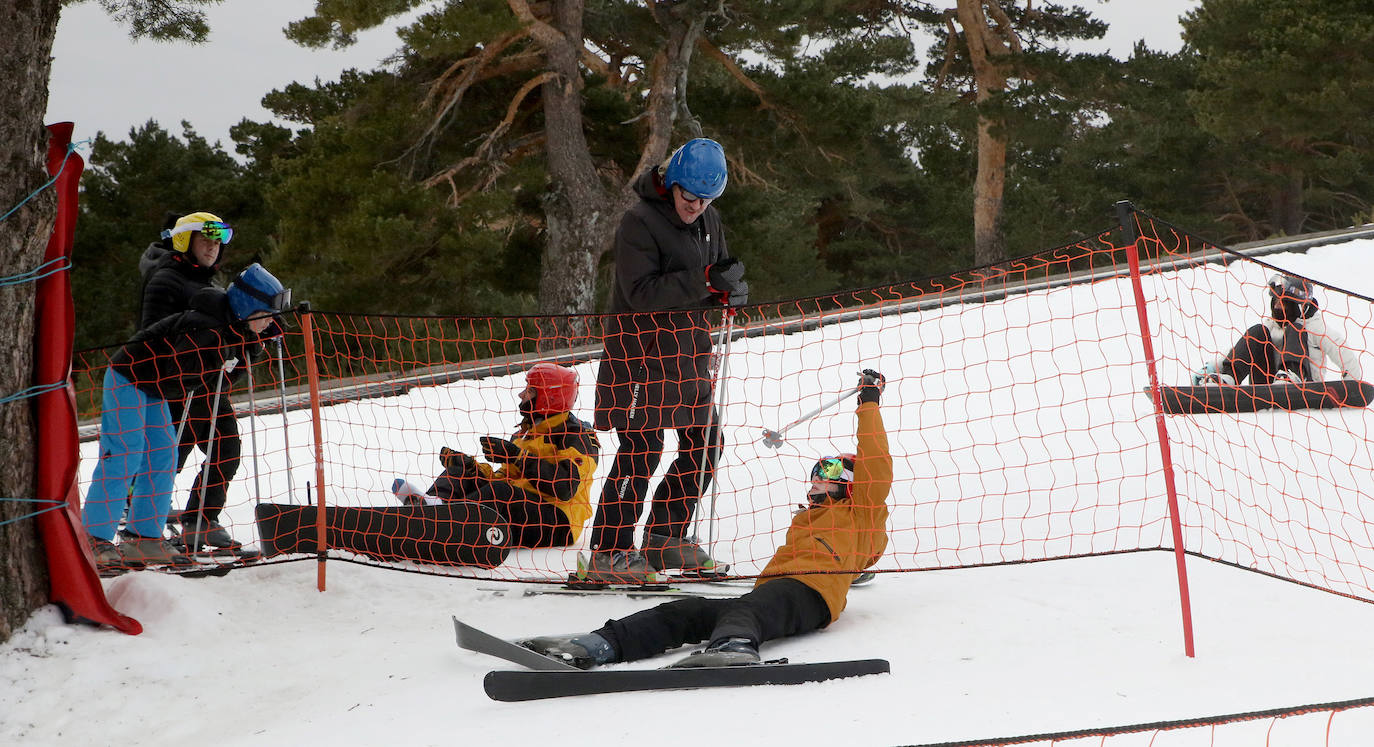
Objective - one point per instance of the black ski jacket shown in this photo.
(186, 350)
(170, 279)
(654, 372)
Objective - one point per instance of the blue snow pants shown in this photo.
(136, 438)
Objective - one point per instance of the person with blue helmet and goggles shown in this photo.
(672, 261)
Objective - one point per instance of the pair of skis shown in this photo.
(216, 563)
(549, 678)
(681, 585)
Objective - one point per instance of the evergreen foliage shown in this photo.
(394, 190)
(1288, 86)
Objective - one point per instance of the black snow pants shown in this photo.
(778, 608)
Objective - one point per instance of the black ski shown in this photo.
(200, 566)
(472, 639)
(536, 685)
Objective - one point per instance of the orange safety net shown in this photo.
(1017, 413)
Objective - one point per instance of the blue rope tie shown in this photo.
(33, 391)
(62, 265)
(71, 148)
(54, 505)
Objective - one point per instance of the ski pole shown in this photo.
(253, 434)
(285, 424)
(210, 452)
(773, 439)
(714, 436)
(181, 428)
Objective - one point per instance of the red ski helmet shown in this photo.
(555, 388)
(838, 470)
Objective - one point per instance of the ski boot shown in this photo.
(582, 650)
(726, 652)
(681, 553)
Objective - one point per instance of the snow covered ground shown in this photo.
(261, 657)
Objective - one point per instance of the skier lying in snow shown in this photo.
(1287, 346)
(542, 489)
(837, 536)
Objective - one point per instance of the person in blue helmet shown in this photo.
(183, 262)
(1291, 344)
(187, 351)
(672, 268)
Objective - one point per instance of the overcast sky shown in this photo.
(103, 81)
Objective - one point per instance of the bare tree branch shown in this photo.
(486, 151)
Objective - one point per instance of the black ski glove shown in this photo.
(457, 464)
(499, 450)
(726, 275)
(871, 385)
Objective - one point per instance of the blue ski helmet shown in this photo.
(699, 168)
(255, 290)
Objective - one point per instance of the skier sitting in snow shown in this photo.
(836, 537)
(543, 486)
(1287, 346)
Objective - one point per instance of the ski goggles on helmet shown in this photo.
(275, 303)
(213, 230)
(832, 469)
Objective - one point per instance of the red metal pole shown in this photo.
(1133, 258)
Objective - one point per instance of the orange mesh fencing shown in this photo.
(1016, 410)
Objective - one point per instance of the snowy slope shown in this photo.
(261, 657)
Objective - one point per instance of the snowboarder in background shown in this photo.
(672, 264)
(544, 484)
(840, 533)
(181, 263)
(1289, 345)
(193, 349)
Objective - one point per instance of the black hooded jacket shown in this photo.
(654, 372)
(186, 350)
(170, 279)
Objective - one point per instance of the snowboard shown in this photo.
(456, 533)
(1203, 399)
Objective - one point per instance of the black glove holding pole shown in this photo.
(871, 385)
(725, 281)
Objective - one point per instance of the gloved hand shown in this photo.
(499, 449)
(1285, 376)
(726, 275)
(871, 385)
(457, 464)
(737, 297)
(1209, 374)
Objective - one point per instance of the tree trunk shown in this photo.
(989, 243)
(25, 65)
(579, 229)
(1286, 205)
(987, 46)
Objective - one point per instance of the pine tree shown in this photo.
(1288, 86)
